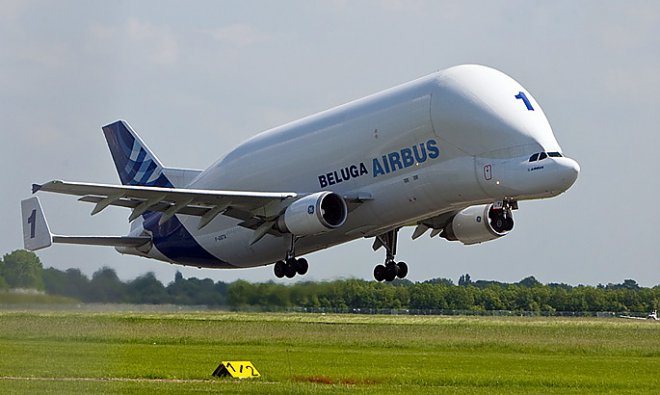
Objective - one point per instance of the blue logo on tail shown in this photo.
(135, 164)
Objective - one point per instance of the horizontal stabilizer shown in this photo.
(110, 241)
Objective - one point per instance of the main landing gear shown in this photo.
(291, 265)
(391, 269)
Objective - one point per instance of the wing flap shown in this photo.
(247, 206)
(200, 197)
(206, 204)
(188, 209)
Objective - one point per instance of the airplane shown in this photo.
(652, 316)
(453, 153)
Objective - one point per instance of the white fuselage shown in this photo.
(453, 139)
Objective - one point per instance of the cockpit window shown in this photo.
(542, 155)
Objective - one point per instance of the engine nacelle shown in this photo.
(316, 213)
(477, 224)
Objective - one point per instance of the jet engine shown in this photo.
(316, 213)
(477, 224)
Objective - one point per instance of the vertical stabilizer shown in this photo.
(135, 163)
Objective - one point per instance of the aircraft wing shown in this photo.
(251, 207)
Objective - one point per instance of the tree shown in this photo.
(630, 284)
(529, 282)
(147, 289)
(106, 287)
(626, 284)
(23, 269)
(465, 280)
(78, 285)
(55, 282)
(71, 283)
(240, 292)
(460, 298)
(443, 281)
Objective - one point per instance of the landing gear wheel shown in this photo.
(499, 223)
(402, 271)
(379, 273)
(391, 271)
(301, 266)
(508, 226)
(290, 268)
(279, 269)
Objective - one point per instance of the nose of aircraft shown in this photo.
(568, 171)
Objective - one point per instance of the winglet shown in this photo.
(36, 234)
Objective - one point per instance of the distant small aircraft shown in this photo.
(651, 316)
(453, 152)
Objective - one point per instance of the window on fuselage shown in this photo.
(534, 157)
(543, 156)
(555, 154)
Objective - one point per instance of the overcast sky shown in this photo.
(197, 78)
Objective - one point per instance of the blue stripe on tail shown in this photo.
(135, 164)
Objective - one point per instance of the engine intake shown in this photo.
(478, 224)
(316, 213)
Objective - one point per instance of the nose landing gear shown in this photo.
(501, 218)
(390, 269)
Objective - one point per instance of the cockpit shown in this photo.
(542, 155)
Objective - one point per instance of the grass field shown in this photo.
(68, 352)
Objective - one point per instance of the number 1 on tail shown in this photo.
(32, 219)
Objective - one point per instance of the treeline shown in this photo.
(106, 287)
(442, 294)
(22, 269)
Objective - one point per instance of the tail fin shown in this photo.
(36, 233)
(135, 163)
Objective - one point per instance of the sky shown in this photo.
(195, 79)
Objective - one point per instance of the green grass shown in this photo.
(67, 352)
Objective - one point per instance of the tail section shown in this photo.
(36, 233)
(135, 163)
